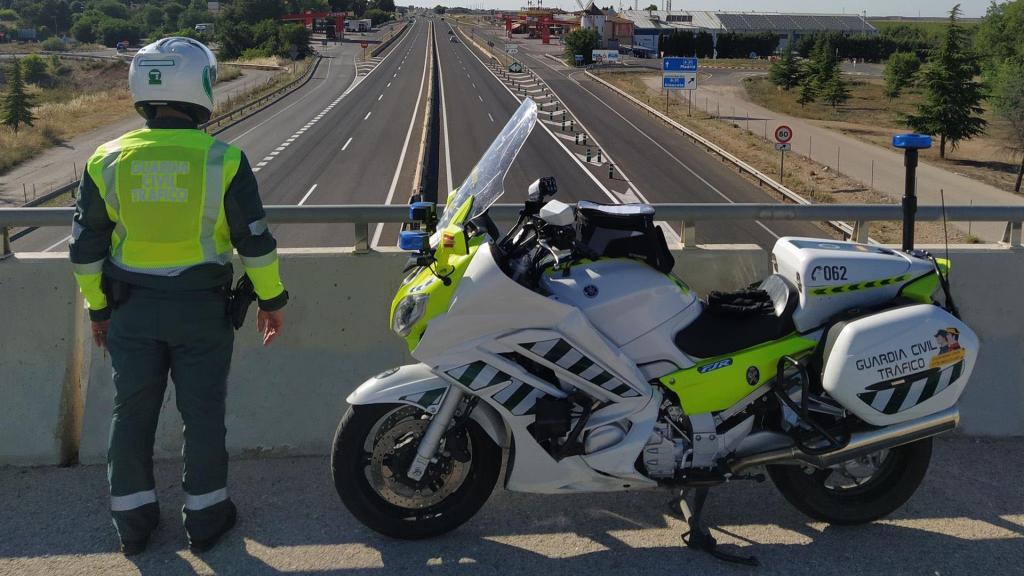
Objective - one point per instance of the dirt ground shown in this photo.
(870, 116)
(810, 179)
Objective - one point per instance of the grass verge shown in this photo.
(810, 179)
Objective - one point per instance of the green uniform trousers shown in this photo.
(188, 335)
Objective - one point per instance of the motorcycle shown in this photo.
(566, 350)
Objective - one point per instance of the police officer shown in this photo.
(158, 212)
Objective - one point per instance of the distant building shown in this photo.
(612, 29)
(650, 26)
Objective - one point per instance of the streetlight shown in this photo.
(910, 144)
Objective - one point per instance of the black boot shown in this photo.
(132, 548)
(206, 544)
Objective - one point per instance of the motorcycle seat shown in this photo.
(739, 320)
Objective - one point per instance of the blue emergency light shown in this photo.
(425, 212)
(912, 141)
(414, 240)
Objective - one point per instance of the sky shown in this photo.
(971, 8)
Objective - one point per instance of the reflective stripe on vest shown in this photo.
(164, 191)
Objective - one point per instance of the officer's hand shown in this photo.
(99, 332)
(269, 324)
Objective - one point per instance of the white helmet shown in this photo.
(176, 72)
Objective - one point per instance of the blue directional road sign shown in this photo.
(676, 64)
(680, 81)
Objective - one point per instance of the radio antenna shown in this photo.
(944, 277)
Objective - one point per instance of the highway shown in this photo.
(351, 136)
(337, 140)
(660, 164)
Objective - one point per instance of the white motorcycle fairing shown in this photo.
(416, 385)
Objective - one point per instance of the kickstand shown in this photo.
(699, 537)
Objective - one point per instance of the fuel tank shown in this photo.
(623, 298)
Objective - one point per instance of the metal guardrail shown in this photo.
(362, 216)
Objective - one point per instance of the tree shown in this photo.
(786, 72)
(377, 16)
(835, 91)
(997, 37)
(151, 18)
(581, 42)
(808, 91)
(86, 28)
(1008, 101)
(34, 69)
(651, 7)
(440, 9)
(384, 5)
(824, 60)
(8, 15)
(113, 30)
(111, 9)
(952, 104)
(17, 104)
(899, 71)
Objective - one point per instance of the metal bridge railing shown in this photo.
(362, 216)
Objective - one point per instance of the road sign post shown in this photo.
(783, 134)
(678, 74)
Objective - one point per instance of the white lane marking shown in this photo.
(276, 114)
(347, 142)
(405, 148)
(306, 197)
(59, 242)
(379, 97)
(557, 140)
(286, 144)
(367, 115)
(274, 153)
(474, 84)
(667, 153)
(395, 75)
(278, 149)
(257, 169)
(491, 117)
(480, 97)
(444, 119)
(268, 158)
(261, 164)
(389, 85)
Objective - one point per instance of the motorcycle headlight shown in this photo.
(408, 313)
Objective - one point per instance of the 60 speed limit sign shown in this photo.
(783, 134)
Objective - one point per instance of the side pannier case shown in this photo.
(899, 364)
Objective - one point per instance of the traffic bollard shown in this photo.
(611, 171)
(577, 138)
(598, 155)
(588, 154)
(572, 125)
(584, 138)
(563, 124)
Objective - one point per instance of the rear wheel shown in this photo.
(373, 448)
(857, 491)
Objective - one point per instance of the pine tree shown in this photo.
(952, 104)
(786, 72)
(808, 87)
(835, 91)
(824, 61)
(17, 104)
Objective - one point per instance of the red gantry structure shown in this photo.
(319, 21)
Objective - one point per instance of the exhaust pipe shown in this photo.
(861, 443)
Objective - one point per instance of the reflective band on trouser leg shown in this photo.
(132, 501)
(264, 271)
(205, 500)
(89, 278)
(213, 198)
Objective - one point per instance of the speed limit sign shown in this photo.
(783, 134)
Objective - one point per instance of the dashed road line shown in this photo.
(347, 142)
(306, 197)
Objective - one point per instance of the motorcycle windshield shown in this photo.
(486, 182)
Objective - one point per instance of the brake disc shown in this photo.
(393, 451)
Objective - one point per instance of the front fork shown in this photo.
(435, 430)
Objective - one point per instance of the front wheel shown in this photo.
(373, 448)
(857, 491)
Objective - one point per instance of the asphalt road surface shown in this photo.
(660, 163)
(966, 519)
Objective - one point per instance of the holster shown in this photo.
(239, 300)
(117, 292)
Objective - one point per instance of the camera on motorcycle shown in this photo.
(541, 188)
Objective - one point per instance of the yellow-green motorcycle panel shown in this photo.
(718, 383)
